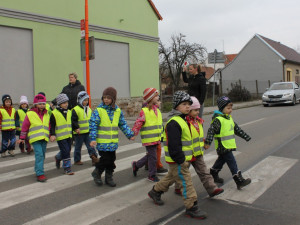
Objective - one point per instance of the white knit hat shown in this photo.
(61, 98)
(23, 100)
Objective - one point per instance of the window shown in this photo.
(297, 71)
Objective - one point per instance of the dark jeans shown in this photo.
(226, 158)
(65, 152)
(106, 161)
(151, 158)
(8, 140)
(79, 140)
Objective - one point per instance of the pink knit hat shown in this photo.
(196, 104)
(39, 98)
(149, 93)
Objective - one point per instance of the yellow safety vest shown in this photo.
(8, 121)
(226, 135)
(48, 109)
(197, 139)
(107, 130)
(152, 129)
(186, 140)
(22, 115)
(83, 121)
(63, 128)
(38, 130)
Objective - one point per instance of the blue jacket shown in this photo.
(95, 121)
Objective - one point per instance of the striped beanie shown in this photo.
(61, 98)
(222, 102)
(149, 94)
(179, 97)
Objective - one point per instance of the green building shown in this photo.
(40, 46)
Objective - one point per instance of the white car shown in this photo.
(281, 93)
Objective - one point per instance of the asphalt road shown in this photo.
(271, 159)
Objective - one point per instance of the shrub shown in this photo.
(239, 93)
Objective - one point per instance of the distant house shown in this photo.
(261, 62)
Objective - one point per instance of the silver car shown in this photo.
(281, 93)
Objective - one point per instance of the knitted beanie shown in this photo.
(23, 100)
(179, 97)
(61, 98)
(39, 99)
(6, 96)
(42, 93)
(222, 102)
(149, 94)
(81, 97)
(196, 104)
(112, 93)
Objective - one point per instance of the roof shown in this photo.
(155, 10)
(229, 58)
(209, 71)
(285, 52)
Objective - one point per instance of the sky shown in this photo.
(229, 25)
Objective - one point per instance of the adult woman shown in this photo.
(196, 83)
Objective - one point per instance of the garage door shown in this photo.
(110, 68)
(16, 63)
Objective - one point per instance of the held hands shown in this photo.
(20, 141)
(93, 144)
(52, 138)
(132, 138)
(206, 147)
(77, 131)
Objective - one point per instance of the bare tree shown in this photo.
(173, 57)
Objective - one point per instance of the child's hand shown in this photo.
(93, 144)
(20, 141)
(132, 138)
(206, 147)
(52, 138)
(77, 131)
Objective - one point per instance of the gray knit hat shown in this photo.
(179, 97)
(222, 102)
(61, 98)
(82, 96)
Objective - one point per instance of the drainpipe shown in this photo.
(283, 70)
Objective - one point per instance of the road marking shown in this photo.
(254, 121)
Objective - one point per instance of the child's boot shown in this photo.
(94, 159)
(22, 147)
(215, 175)
(195, 212)
(97, 177)
(156, 196)
(240, 181)
(109, 178)
(68, 171)
(3, 154)
(11, 153)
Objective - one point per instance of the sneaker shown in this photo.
(57, 163)
(196, 213)
(153, 178)
(217, 191)
(78, 163)
(134, 168)
(41, 178)
(156, 196)
(11, 153)
(3, 155)
(69, 172)
(177, 191)
(161, 171)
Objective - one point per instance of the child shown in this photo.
(20, 116)
(104, 124)
(223, 129)
(150, 124)
(178, 154)
(8, 127)
(36, 127)
(61, 131)
(81, 115)
(48, 107)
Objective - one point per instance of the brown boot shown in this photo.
(94, 159)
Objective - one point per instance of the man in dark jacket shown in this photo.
(72, 90)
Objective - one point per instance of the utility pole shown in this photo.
(87, 59)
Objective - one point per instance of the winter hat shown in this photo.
(4, 97)
(179, 97)
(23, 100)
(42, 93)
(111, 92)
(82, 96)
(61, 98)
(149, 94)
(196, 104)
(222, 102)
(39, 99)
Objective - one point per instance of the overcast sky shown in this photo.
(232, 22)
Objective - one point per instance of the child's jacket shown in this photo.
(81, 119)
(7, 118)
(61, 124)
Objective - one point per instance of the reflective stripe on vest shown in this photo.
(186, 140)
(38, 130)
(8, 121)
(63, 128)
(152, 129)
(226, 135)
(22, 115)
(108, 131)
(197, 139)
(83, 119)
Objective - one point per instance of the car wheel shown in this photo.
(294, 100)
(266, 105)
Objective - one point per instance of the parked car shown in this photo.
(281, 93)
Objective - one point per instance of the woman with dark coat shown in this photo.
(196, 83)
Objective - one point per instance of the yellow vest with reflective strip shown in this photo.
(8, 121)
(197, 139)
(63, 128)
(48, 109)
(107, 130)
(226, 135)
(186, 140)
(22, 115)
(83, 122)
(152, 129)
(38, 130)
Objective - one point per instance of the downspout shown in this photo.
(283, 70)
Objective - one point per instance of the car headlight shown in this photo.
(287, 95)
(265, 96)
